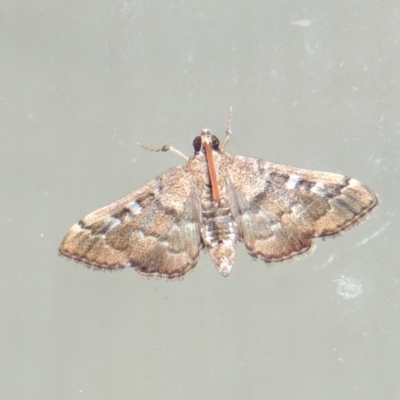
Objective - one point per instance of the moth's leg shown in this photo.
(228, 131)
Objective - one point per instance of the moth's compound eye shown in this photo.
(214, 142)
(197, 144)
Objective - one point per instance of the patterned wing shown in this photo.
(281, 209)
(154, 229)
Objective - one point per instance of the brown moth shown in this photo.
(212, 202)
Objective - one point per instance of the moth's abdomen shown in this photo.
(218, 226)
(220, 236)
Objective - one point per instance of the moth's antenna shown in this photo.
(228, 131)
(166, 147)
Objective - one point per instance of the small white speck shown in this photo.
(348, 287)
(304, 23)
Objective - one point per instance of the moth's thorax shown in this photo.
(198, 167)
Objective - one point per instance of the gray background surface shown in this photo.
(313, 84)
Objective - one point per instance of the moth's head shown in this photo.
(205, 139)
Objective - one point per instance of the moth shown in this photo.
(213, 202)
